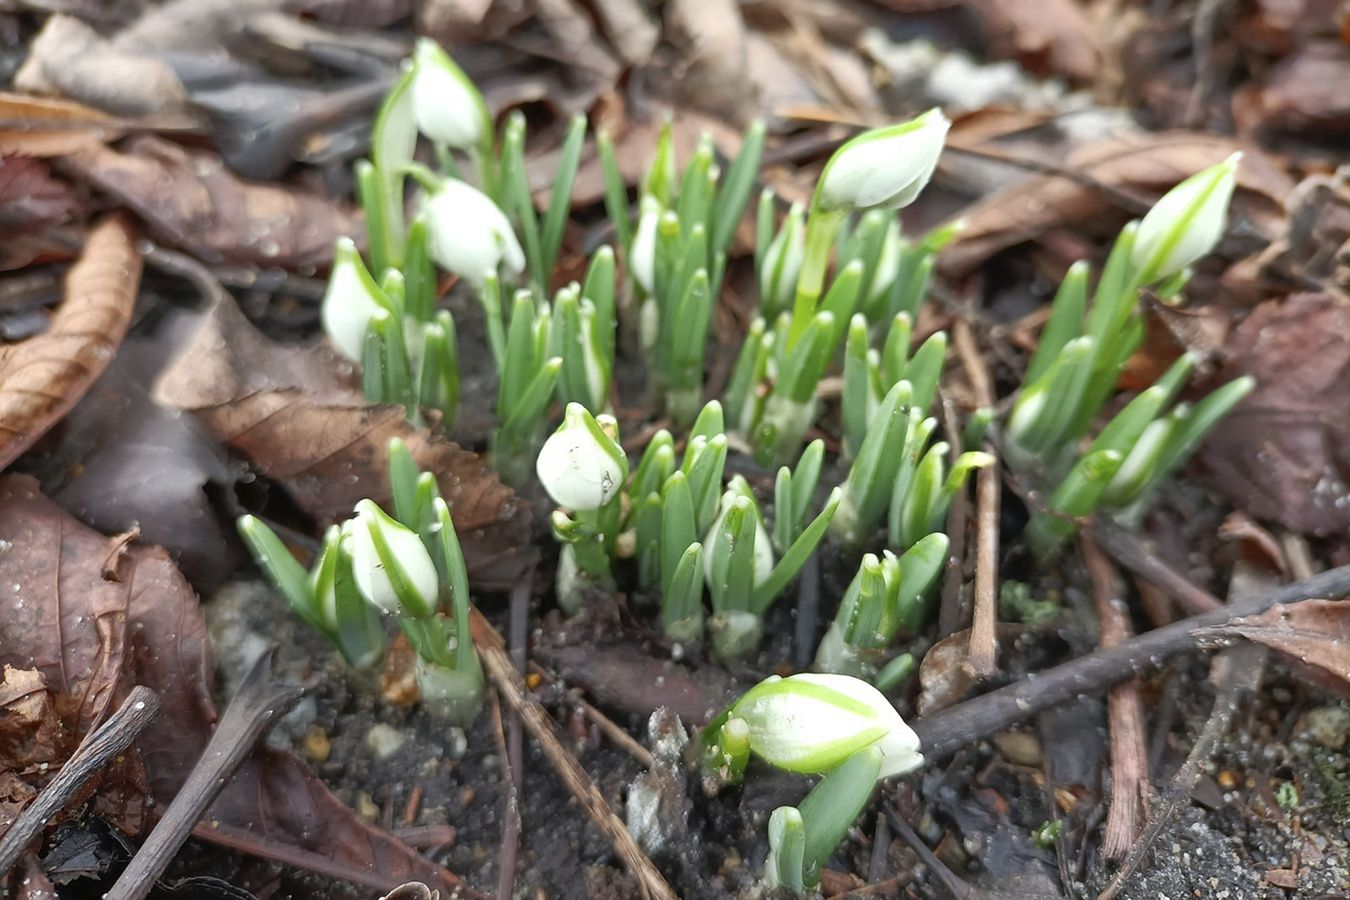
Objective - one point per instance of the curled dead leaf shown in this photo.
(1141, 166)
(188, 199)
(1314, 632)
(1048, 38)
(43, 377)
(287, 411)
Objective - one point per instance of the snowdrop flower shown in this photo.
(812, 723)
(884, 168)
(1186, 223)
(447, 106)
(643, 263)
(351, 299)
(469, 234)
(580, 465)
(390, 564)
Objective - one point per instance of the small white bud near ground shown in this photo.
(350, 300)
(1186, 222)
(580, 465)
(390, 564)
(469, 234)
(813, 723)
(643, 261)
(446, 105)
(886, 167)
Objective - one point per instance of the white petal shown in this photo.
(347, 306)
(445, 109)
(576, 470)
(368, 571)
(643, 263)
(469, 234)
(887, 171)
(1198, 207)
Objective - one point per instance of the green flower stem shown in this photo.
(822, 224)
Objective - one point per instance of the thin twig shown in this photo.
(608, 727)
(965, 723)
(1131, 553)
(258, 705)
(99, 748)
(982, 650)
(1124, 712)
(1236, 671)
(513, 745)
(1203, 26)
(497, 664)
(950, 881)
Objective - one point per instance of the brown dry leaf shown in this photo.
(92, 637)
(1284, 453)
(30, 728)
(46, 126)
(1146, 164)
(1306, 95)
(43, 377)
(712, 73)
(1314, 632)
(287, 412)
(31, 203)
(1052, 37)
(188, 199)
(70, 58)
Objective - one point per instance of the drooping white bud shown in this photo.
(812, 723)
(445, 103)
(469, 234)
(581, 466)
(643, 262)
(886, 167)
(349, 302)
(390, 564)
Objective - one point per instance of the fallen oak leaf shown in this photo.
(1314, 632)
(1147, 165)
(190, 200)
(44, 376)
(154, 634)
(290, 414)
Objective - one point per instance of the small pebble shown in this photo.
(1020, 747)
(1328, 725)
(384, 740)
(317, 745)
(366, 808)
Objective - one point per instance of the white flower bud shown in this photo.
(390, 564)
(351, 299)
(643, 262)
(447, 106)
(1186, 223)
(886, 167)
(469, 234)
(812, 723)
(580, 465)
